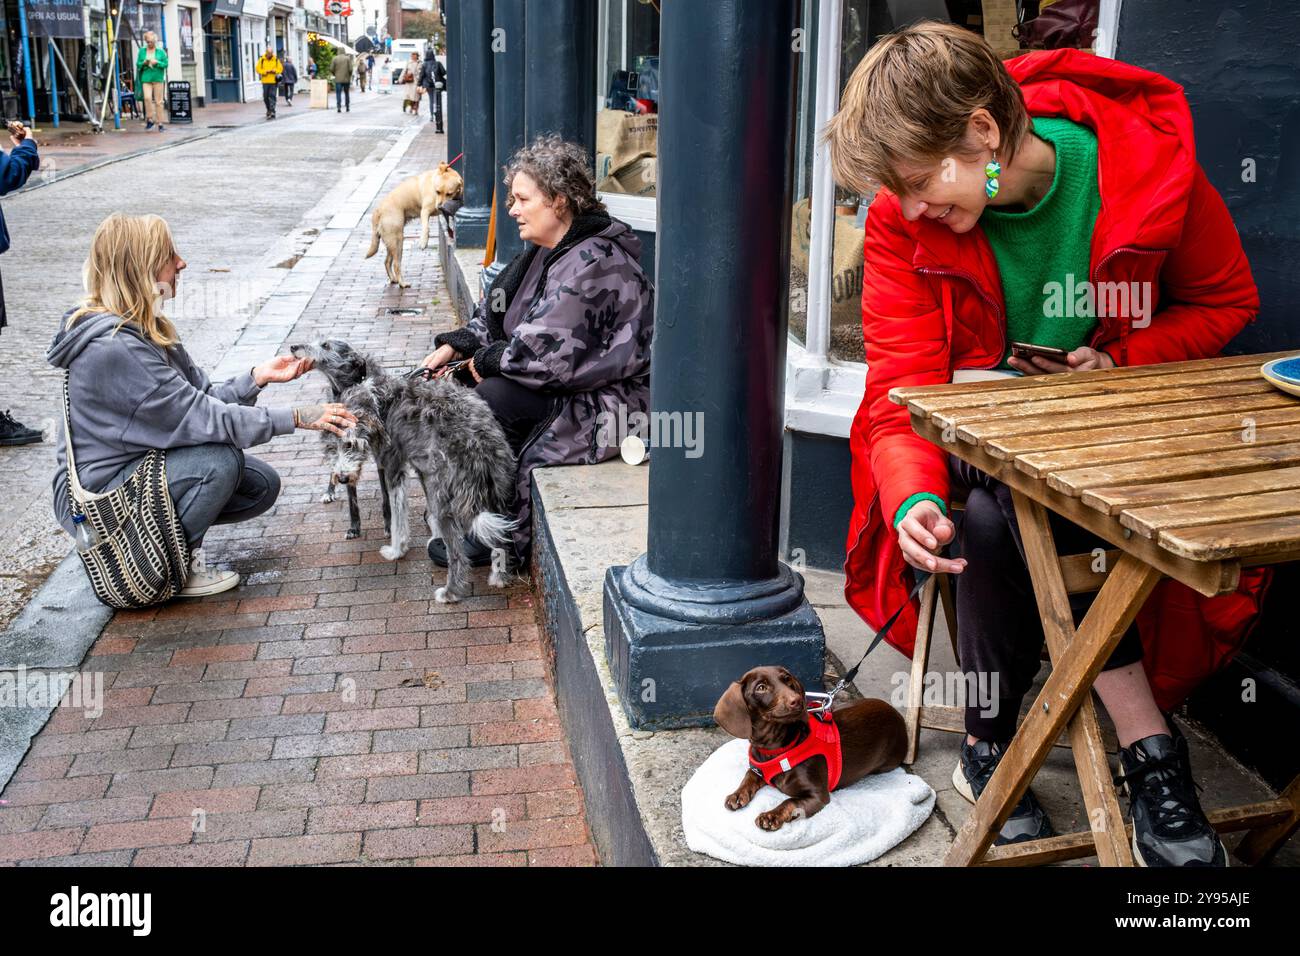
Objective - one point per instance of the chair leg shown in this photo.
(949, 613)
(920, 665)
(1258, 846)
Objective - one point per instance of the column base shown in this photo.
(670, 673)
(472, 227)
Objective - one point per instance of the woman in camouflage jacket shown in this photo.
(559, 347)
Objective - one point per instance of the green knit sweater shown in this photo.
(1043, 254)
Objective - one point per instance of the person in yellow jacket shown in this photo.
(269, 69)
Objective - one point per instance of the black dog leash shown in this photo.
(823, 701)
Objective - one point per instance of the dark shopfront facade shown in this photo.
(221, 53)
(580, 59)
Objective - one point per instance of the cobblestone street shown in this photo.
(327, 711)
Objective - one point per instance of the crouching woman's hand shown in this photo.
(922, 532)
(330, 417)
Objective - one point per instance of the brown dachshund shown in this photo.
(768, 708)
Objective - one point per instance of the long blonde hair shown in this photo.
(120, 275)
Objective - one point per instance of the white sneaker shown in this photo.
(204, 580)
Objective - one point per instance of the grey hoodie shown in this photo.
(129, 396)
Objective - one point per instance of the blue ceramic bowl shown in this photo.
(1284, 373)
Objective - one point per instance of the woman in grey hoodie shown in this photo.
(133, 388)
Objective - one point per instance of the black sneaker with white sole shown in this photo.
(1169, 826)
(1028, 821)
(16, 433)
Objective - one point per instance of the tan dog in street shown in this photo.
(420, 196)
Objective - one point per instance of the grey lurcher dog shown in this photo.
(342, 367)
(450, 438)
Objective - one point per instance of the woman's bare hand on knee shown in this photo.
(330, 417)
(922, 532)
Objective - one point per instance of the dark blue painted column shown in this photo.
(478, 134)
(455, 82)
(509, 77)
(561, 63)
(709, 599)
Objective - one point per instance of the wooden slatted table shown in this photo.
(1192, 471)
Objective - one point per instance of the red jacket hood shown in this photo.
(1146, 153)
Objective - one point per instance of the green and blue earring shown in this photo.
(992, 169)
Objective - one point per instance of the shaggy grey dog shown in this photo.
(449, 437)
(343, 367)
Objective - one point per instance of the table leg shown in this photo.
(1104, 816)
(1116, 604)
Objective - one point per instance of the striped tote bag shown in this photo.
(142, 557)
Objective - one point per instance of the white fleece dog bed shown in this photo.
(860, 823)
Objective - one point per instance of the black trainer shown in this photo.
(1169, 826)
(16, 433)
(1028, 821)
(480, 556)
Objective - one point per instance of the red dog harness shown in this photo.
(823, 739)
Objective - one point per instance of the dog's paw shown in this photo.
(326, 498)
(389, 553)
(498, 579)
(770, 821)
(443, 596)
(738, 801)
(424, 243)
(352, 533)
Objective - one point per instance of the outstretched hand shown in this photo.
(329, 417)
(282, 368)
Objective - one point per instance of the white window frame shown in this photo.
(822, 394)
(639, 212)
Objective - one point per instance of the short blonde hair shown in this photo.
(909, 100)
(120, 275)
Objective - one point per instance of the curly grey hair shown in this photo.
(559, 168)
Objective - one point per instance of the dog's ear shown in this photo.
(732, 713)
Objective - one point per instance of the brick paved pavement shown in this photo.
(327, 711)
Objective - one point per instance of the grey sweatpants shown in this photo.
(213, 484)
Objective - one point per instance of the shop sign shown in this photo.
(55, 18)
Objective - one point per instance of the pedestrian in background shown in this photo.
(15, 167)
(410, 84)
(312, 69)
(341, 67)
(362, 72)
(269, 68)
(151, 67)
(433, 77)
(289, 81)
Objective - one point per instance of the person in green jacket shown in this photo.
(151, 68)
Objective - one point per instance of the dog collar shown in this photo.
(823, 740)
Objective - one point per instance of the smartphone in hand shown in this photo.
(1027, 351)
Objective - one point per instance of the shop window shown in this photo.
(223, 67)
(627, 104)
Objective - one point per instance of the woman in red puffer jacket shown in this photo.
(1000, 182)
